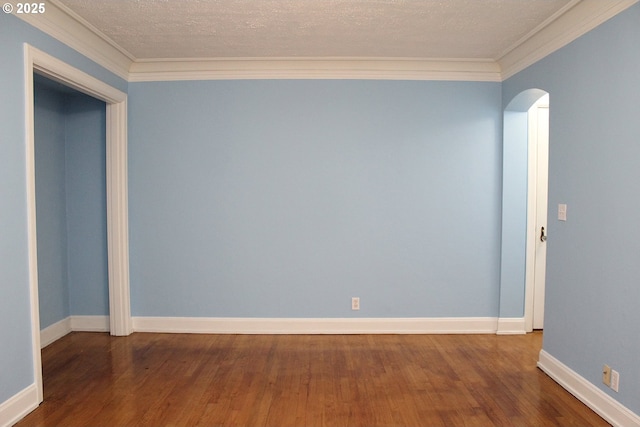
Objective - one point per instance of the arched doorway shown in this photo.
(519, 200)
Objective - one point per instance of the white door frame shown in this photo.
(117, 197)
(533, 193)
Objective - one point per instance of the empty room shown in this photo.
(338, 212)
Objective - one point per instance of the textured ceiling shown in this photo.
(456, 29)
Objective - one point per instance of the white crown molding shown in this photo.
(574, 20)
(16, 407)
(540, 27)
(64, 25)
(222, 325)
(314, 68)
(578, 20)
(596, 399)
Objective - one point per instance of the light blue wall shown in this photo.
(287, 198)
(87, 205)
(16, 364)
(592, 292)
(71, 202)
(514, 215)
(49, 127)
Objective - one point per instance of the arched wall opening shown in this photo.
(515, 171)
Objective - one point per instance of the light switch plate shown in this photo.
(615, 380)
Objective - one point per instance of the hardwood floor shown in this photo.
(93, 379)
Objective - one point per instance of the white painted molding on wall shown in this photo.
(66, 26)
(596, 399)
(18, 406)
(30, 166)
(582, 17)
(315, 68)
(118, 217)
(571, 22)
(222, 325)
(511, 326)
(69, 324)
(54, 332)
(89, 323)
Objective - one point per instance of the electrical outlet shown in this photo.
(606, 375)
(355, 303)
(615, 380)
(562, 212)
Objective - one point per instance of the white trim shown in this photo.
(118, 219)
(15, 408)
(511, 326)
(64, 73)
(577, 21)
(569, 23)
(226, 325)
(531, 230)
(54, 332)
(67, 27)
(89, 323)
(314, 68)
(532, 217)
(596, 399)
(540, 27)
(32, 234)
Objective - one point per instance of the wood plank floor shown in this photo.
(93, 379)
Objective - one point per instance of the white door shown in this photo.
(539, 117)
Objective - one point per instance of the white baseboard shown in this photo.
(90, 323)
(59, 329)
(596, 399)
(220, 325)
(54, 332)
(511, 326)
(18, 406)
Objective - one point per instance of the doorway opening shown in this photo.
(44, 64)
(537, 209)
(70, 178)
(524, 211)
